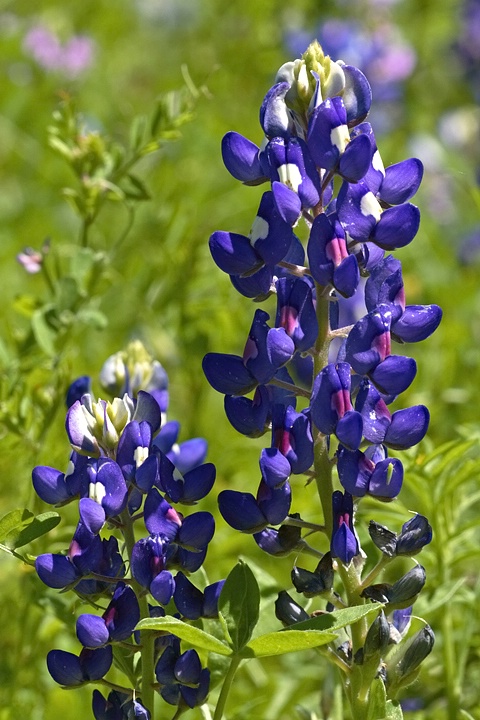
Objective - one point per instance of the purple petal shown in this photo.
(233, 253)
(274, 115)
(402, 181)
(196, 532)
(92, 631)
(241, 158)
(227, 374)
(408, 427)
(188, 599)
(417, 322)
(394, 375)
(397, 226)
(240, 510)
(356, 159)
(357, 95)
(148, 409)
(287, 202)
(56, 571)
(162, 587)
(274, 467)
(64, 667)
(50, 484)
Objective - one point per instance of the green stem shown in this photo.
(322, 464)
(147, 638)
(227, 684)
(382, 563)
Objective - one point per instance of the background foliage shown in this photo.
(161, 286)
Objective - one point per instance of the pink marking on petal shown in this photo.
(110, 615)
(383, 345)
(173, 516)
(251, 350)
(341, 402)
(336, 250)
(283, 441)
(288, 319)
(400, 298)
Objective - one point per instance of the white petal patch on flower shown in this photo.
(97, 491)
(290, 176)
(70, 469)
(340, 137)
(259, 229)
(377, 163)
(369, 205)
(140, 455)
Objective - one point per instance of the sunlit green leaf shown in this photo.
(239, 605)
(20, 527)
(193, 635)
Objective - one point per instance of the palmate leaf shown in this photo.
(19, 527)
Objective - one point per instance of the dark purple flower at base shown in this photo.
(193, 603)
(182, 677)
(72, 670)
(117, 706)
(244, 512)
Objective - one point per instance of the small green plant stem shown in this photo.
(147, 638)
(227, 683)
(381, 565)
(322, 463)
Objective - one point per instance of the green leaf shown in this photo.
(336, 620)
(377, 700)
(45, 334)
(135, 188)
(280, 643)
(20, 527)
(66, 293)
(393, 711)
(189, 633)
(239, 605)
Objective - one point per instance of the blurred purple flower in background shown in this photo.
(71, 58)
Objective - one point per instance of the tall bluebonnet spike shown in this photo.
(241, 158)
(344, 544)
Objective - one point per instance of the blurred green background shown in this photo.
(164, 288)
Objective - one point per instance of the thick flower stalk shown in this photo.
(133, 550)
(318, 378)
